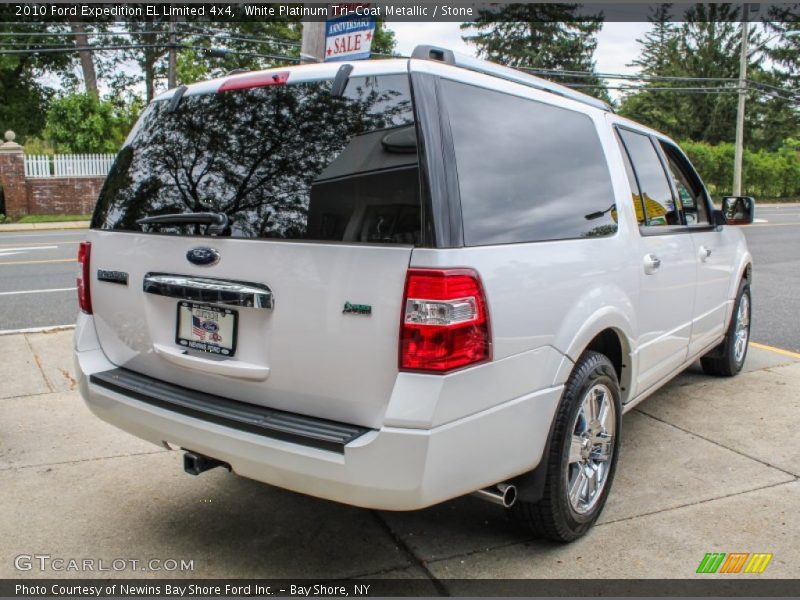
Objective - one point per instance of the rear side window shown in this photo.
(283, 162)
(659, 205)
(527, 171)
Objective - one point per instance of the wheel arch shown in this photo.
(608, 332)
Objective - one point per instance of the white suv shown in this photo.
(391, 283)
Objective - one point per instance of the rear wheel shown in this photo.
(727, 359)
(583, 454)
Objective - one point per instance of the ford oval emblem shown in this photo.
(203, 255)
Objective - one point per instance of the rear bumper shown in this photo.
(391, 468)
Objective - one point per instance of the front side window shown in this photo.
(284, 162)
(527, 171)
(687, 183)
(659, 206)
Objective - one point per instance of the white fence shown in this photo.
(68, 165)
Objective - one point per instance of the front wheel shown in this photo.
(727, 359)
(583, 454)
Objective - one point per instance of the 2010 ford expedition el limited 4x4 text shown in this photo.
(391, 283)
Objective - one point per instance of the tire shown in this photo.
(727, 359)
(559, 516)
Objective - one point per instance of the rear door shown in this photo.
(296, 304)
(668, 269)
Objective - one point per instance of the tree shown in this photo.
(658, 58)
(83, 123)
(86, 58)
(23, 96)
(542, 36)
(704, 48)
(383, 41)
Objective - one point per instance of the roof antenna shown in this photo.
(176, 98)
(340, 81)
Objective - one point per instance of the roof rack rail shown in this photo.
(447, 56)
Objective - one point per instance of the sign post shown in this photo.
(349, 37)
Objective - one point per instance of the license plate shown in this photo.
(207, 328)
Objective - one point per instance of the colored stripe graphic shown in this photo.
(758, 562)
(734, 562)
(711, 562)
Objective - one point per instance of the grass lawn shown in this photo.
(53, 218)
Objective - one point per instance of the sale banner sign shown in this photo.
(349, 36)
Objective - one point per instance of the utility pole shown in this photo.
(312, 46)
(739, 149)
(172, 75)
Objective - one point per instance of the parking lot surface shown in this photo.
(707, 465)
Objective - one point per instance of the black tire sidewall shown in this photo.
(730, 350)
(600, 371)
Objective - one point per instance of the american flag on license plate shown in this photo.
(197, 328)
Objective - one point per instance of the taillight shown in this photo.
(84, 272)
(445, 321)
(254, 80)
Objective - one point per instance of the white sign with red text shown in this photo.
(349, 33)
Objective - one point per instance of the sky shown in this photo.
(616, 42)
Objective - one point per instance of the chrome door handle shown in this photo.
(651, 264)
(205, 289)
(705, 253)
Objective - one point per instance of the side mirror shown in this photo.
(718, 218)
(739, 210)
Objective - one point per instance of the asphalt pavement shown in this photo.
(37, 277)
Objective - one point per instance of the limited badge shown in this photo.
(357, 309)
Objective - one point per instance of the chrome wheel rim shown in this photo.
(591, 449)
(742, 333)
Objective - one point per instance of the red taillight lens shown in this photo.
(254, 80)
(84, 276)
(445, 323)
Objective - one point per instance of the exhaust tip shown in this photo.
(509, 493)
(504, 494)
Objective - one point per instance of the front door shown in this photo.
(667, 261)
(713, 250)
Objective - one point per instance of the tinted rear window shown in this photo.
(282, 162)
(527, 171)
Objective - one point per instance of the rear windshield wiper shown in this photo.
(217, 222)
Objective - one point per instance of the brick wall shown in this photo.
(45, 195)
(12, 178)
(63, 195)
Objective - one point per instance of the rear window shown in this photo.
(284, 162)
(527, 171)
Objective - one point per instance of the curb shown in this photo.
(44, 226)
(50, 329)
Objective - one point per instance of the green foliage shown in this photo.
(706, 45)
(766, 175)
(384, 41)
(82, 123)
(53, 218)
(23, 97)
(543, 36)
(39, 145)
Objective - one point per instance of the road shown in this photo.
(37, 277)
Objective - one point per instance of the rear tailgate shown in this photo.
(322, 361)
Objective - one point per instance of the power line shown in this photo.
(51, 50)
